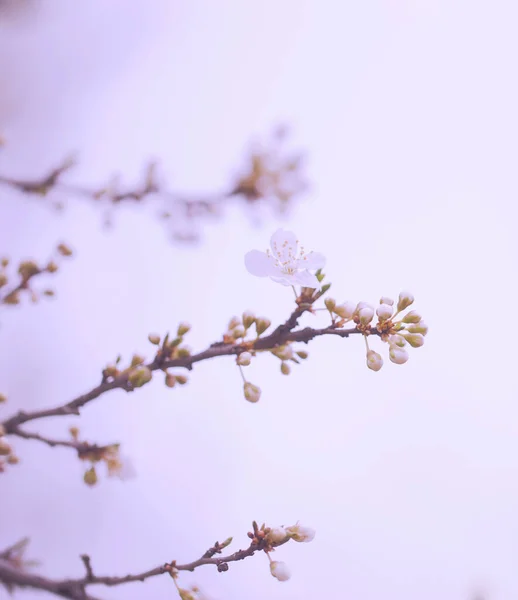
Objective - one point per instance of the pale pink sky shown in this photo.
(408, 112)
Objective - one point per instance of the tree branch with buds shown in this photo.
(13, 570)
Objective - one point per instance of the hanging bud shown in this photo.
(248, 319)
(276, 535)
(285, 368)
(182, 379)
(384, 312)
(280, 570)
(302, 354)
(154, 338)
(244, 359)
(420, 327)
(398, 340)
(405, 300)
(52, 267)
(385, 300)
(5, 449)
(345, 310)
(398, 355)
(374, 360)
(330, 304)
(416, 340)
(238, 332)
(140, 376)
(183, 328)
(412, 317)
(90, 477)
(365, 315)
(252, 392)
(262, 324)
(170, 380)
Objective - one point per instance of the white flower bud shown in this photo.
(361, 305)
(248, 319)
(301, 533)
(366, 315)
(244, 359)
(284, 352)
(238, 332)
(280, 570)
(405, 300)
(398, 355)
(416, 340)
(262, 324)
(412, 317)
(330, 303)
(384, 312)
(398, 340)
(385, 300)
(374, 360)
(276, 535)
(345, 310)
(420, 327)
(252, 392)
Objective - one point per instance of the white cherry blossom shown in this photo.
(286, 262)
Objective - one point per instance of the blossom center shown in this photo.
(287, 257)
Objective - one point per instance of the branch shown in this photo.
(75, 589)
(280, 336)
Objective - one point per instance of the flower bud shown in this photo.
(64, 250)
(285, 368)
(244, 359)
(300, 533)
(140, 376)
(420, 327)
(384, 312)
(90, 477)
(52, 267)
(12, 459)
(181, 379)
(283, 352)
(262, 324)
(252, 392)
(280, 570)
(170, 380)
(398, 340)
(3, 279)
(238, 332)
(276, 535)
(248, 319)
(3, 398)
(302, 354)
(365, 315)
(183, 352)
(416, 340)
(385, 300)
(345, 310)
(374, 360)
(154, 338)
(398, 355)
(28, 268)
(5, 449)
(234, 322)
(412, 317)
(4, 262)
(183, 328)
(330, 303)
(405, 300)
(74, 432)
(137, 360)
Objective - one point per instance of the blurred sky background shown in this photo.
(407, 109)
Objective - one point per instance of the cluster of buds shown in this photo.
(239, 328)
(269, 175)
(276, 536)
(287, 354)
(26, 271)
(110, 455)
(393, 327)
(7, 456)
(170, 349)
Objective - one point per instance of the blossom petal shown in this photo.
(312, 260)
(285, 280)
(260, 264)
(284, 245)
(306, 279)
